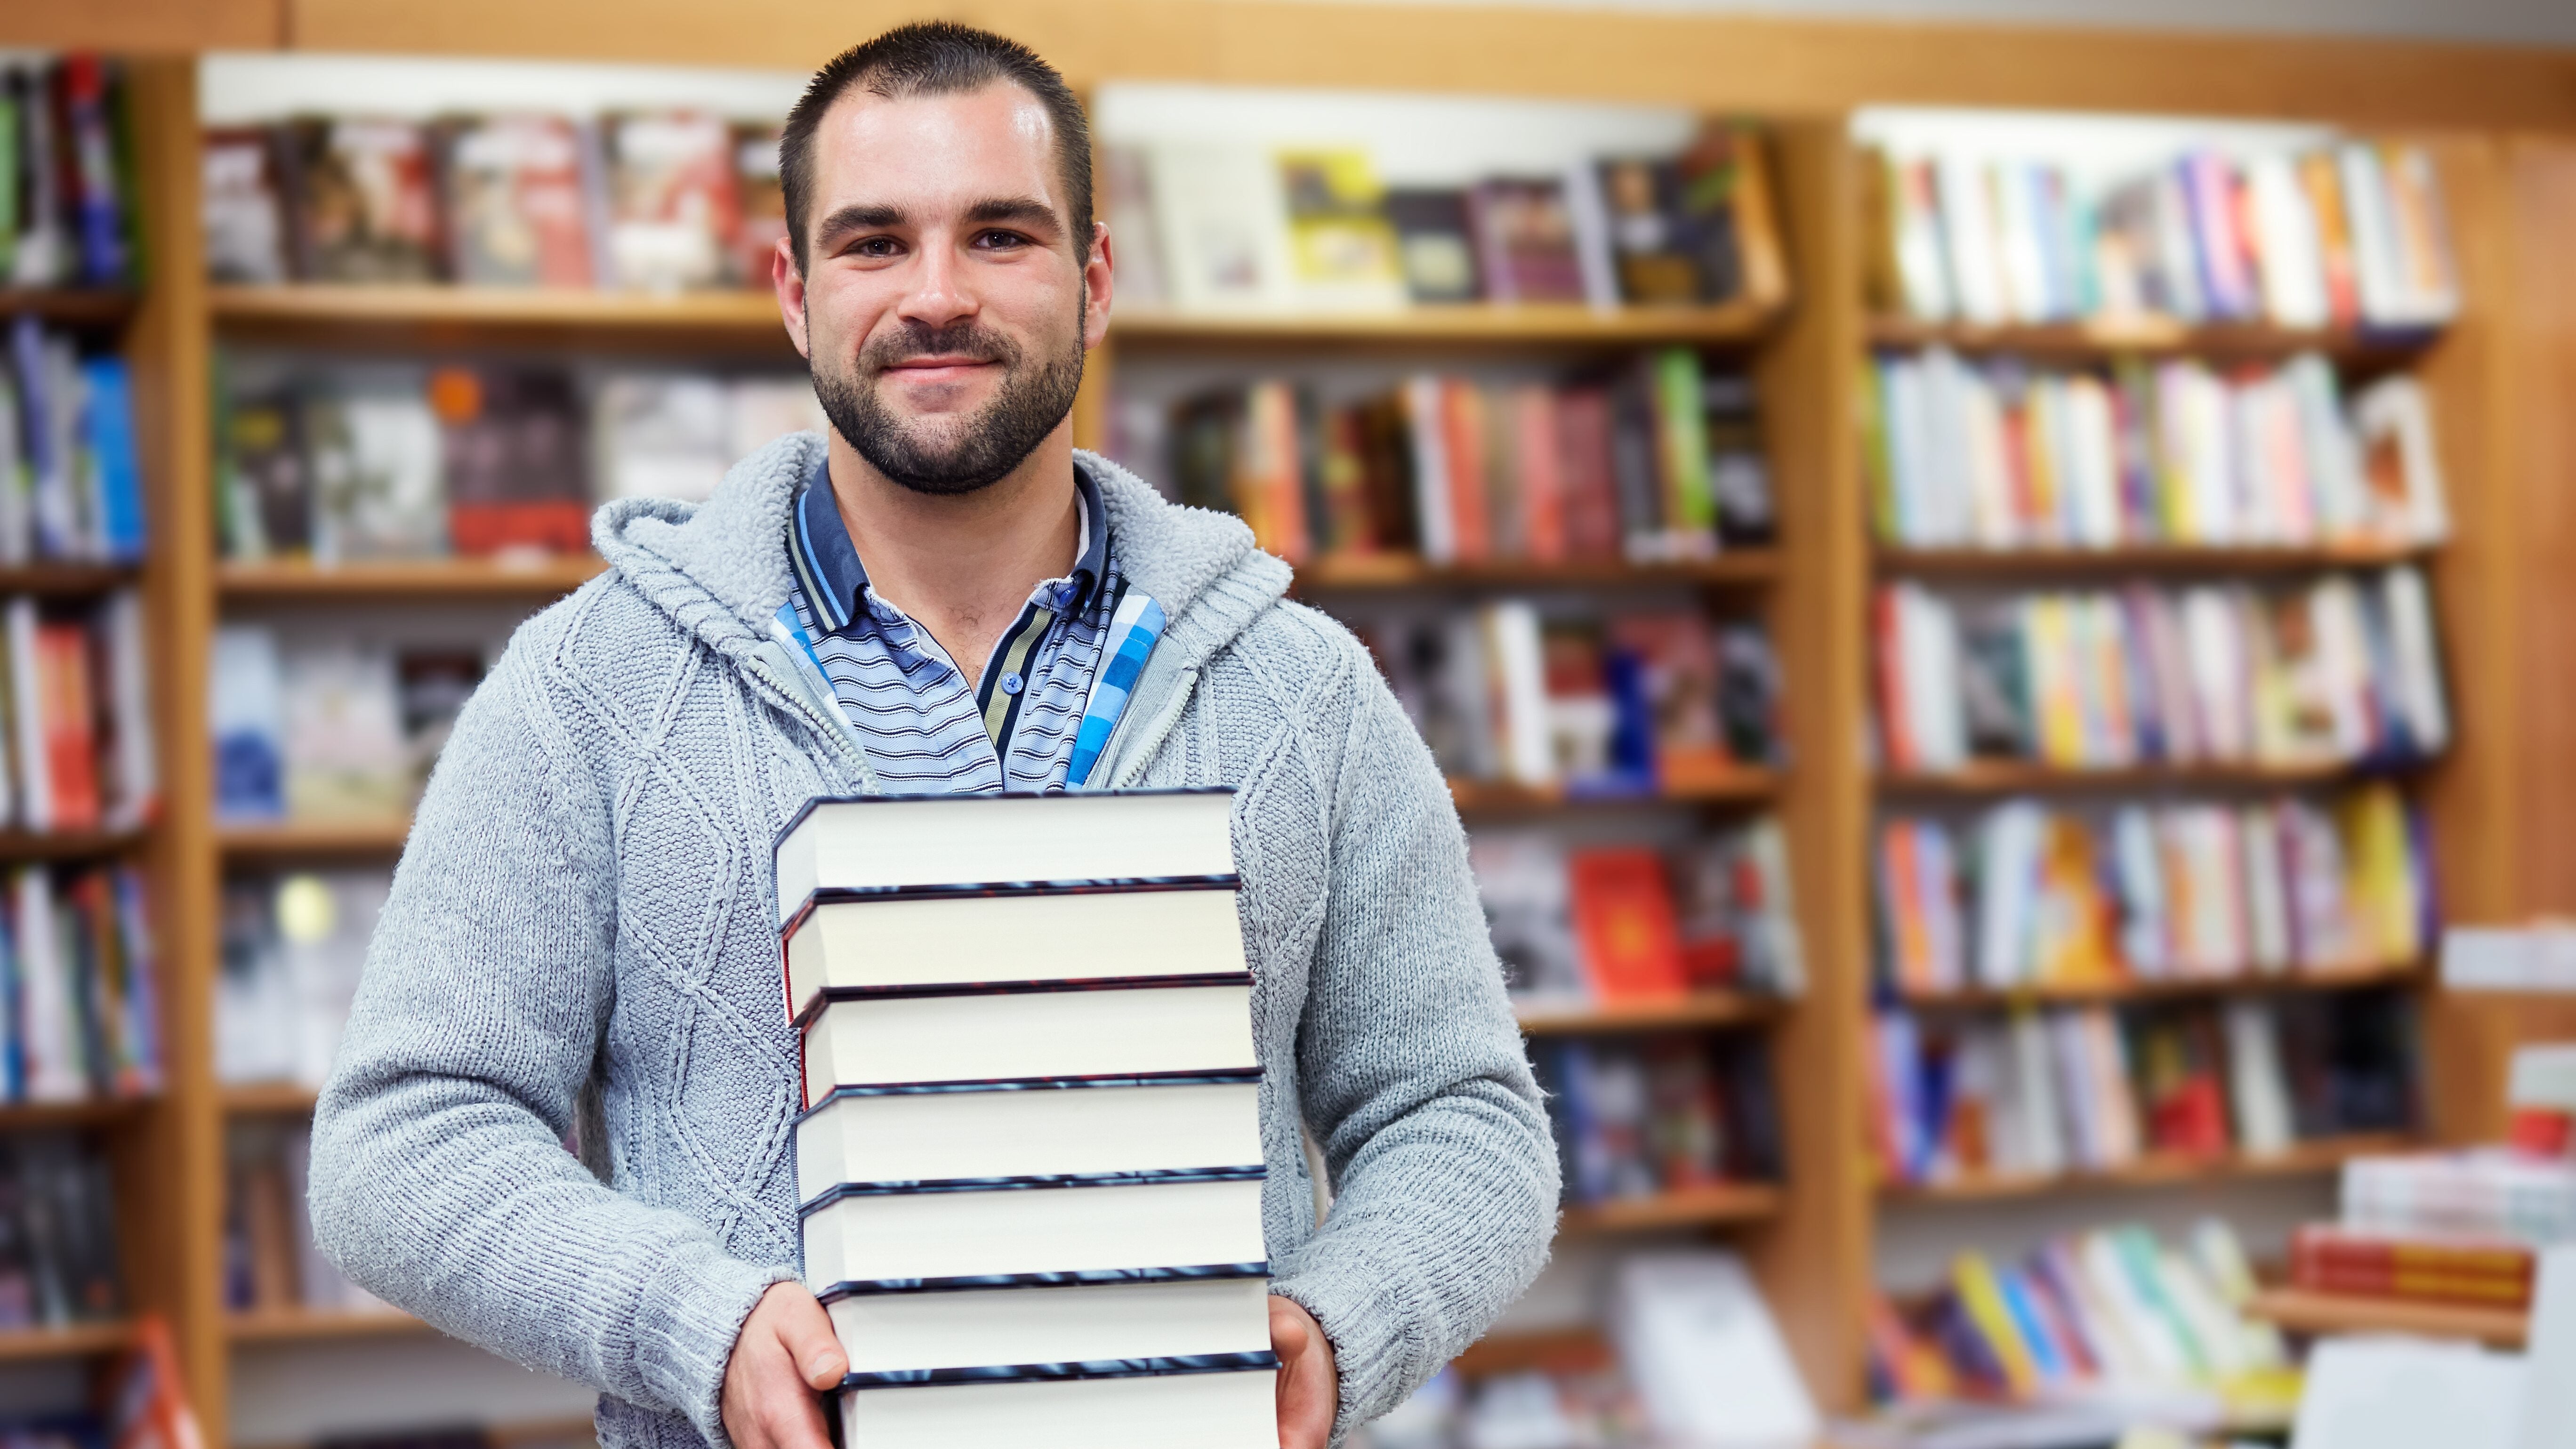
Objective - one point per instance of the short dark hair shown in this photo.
(935, 58)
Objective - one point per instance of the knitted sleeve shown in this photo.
(1414, 1081)
(440, 1179)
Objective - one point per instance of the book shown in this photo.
(244, 225)
(1221, 227)
(1127, 189)
(1434, 245)
(1342, 251)
(362, 200)
(673, 208)
(1033, 1182)
(1710, 1364)
(340, 726)
(372, 467)
(515, 459)
(2330, 1258)
(1525, 240)
(247, 719)
(516, 202)
(1623, 915)
(1078, 1413)
(761, 222)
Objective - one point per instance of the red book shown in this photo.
(67, 709)
(1540, 459)
(1623, 916)
(517, 468)
(1886, 649)
(1589, 489)
(1462, 422)
(2332, 1258)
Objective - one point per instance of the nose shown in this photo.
(938, 294)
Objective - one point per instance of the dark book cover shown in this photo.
(1646, 233)
(362, 200)
(1524, 235)
(518, 478)
(1434, 245)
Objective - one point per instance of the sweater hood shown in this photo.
(719, 568)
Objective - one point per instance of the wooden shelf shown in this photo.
(2178, 988)
(291, 838)
(268, 1099)
(1553, 324)
(64, 579)
(444, 313)
(94, 1112)
(2151, 335)
(2155, 1170)
(2160, 559)
(1354, 573)
(65, 844)
(1698, 1009)
(1733, 1202)
(77, 1340)
(75, 305)
(1496, 795)
(2302, 1311)
(2001, 777)
(294, 1325)
(411, 578)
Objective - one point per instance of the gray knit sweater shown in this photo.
(581, 926)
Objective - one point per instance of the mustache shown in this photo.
(964, 338)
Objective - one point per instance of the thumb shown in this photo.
(806, 1331)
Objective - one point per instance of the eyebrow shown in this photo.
(1026, 212)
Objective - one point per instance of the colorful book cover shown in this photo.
(1623, 915)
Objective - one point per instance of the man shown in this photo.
(942, 595)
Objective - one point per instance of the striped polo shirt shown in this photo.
(1037, 716)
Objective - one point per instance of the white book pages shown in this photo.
(1172, 1411)
(1031, 1132)
(1016, 1036)
(1968, 226)
(2285, 231)
(2257, 1091)
(898, 1237)
(888, 843)
(1083, 1323)
(957, 940)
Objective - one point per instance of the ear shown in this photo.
(1097, 281)
(788, 281)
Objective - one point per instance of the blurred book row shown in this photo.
(1999, 455)
(2096, 1089)
(657, 201)
(1658, 459)
(74, 696)
(381, 461)
(331, 728)
(66, 174)
(2340, 669)
(1210, 227)
(1639, 1117)
(1620, 922)
(82, 984)
(2025, 895)
(293, 946)
(2097, 1331)
(70, 482)
(2352, 234)
(271, 1264)
(1631, 703)
(58, 1255)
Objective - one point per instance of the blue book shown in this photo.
(108, 423)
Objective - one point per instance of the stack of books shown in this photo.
(1030, 1162)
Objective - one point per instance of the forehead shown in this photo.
(924, 149)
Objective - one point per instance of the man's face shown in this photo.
(946, 308)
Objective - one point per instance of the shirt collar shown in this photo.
(827, 564)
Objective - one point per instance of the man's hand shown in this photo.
(1310, 1391)
(785, 1354)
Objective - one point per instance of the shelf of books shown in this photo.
(2302, 1311)
(1941, 627)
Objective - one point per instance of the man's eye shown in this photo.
(1000, 240)
(875, 246)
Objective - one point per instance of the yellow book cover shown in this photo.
(1973, 1279)
(1341, 247)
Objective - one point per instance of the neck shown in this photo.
(962, 564)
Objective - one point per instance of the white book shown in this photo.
(1224, 231)
(1949, 486)
(1167, 1411)
(857, 1136)
(1922, 263)
(2020, 242)
(1968, 225)
(2342, 663)
(1995, 514)
(2093, 463)
(1032, 1233)
(2285, 231)
(2008, 876)
(1426, 431)
(1708, 1361)
(2418, 659)
(855, 946)
(1023, 1035)
(2256, 1087)
(1519, 672)
(2043, 1113)
(884, 844)
(894, 1336)
(51, 1026)
(2373, 225)
(2267, 894)
(2140, 871)
(26, 719)
(138, 772)
(2335, 493)
(2404, 473)
(2214, 647)
(1590, 212)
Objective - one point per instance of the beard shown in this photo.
(947, 457)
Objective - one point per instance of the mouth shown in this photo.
(938, 368)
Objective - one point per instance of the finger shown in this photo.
(805, 1330)
(794, 1420)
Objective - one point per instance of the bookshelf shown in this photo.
(2301, 1311)
(2497, 377)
